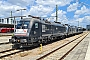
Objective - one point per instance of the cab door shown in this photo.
(36, 30)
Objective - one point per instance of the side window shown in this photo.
(36, 25)
(43, 28)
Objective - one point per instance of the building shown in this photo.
(7, 22)
(88, 27)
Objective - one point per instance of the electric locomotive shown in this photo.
(33, 31)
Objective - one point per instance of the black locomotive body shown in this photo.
(32, 31)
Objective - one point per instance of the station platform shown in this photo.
(81, 51)
(6, 34)
(5, 39)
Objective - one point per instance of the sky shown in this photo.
(72, 12)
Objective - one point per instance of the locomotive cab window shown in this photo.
(22, 25)
(36, 25)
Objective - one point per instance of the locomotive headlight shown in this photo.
(18, 40)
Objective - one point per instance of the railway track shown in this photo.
(9, 52)
(60, 52)
(4, 43)
(5, 46)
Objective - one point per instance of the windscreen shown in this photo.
(23, 25)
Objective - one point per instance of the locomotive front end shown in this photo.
(21, 34)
